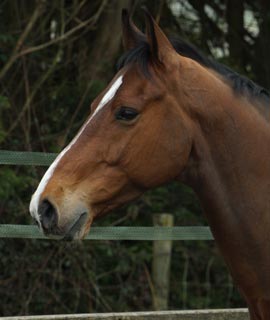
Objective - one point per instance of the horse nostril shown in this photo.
(48, 215)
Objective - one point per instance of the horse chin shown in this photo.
(79, 228)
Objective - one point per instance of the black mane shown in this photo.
(240, 84)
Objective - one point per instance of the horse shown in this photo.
(170, 113)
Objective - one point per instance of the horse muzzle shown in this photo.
(48, 219)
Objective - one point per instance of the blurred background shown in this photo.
(55, 57)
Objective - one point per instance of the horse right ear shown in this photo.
(132, 36)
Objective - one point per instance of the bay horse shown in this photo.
(170, 113)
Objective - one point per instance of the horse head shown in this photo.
(136, 137)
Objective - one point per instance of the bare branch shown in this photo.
(66, 35)
(33, 93)
(37, 12)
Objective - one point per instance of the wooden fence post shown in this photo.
(161, 264)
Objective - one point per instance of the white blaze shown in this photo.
(48, 174)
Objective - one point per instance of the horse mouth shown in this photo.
(76, 229)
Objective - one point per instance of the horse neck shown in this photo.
(229, 165)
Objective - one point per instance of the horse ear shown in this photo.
(132, 36)
(160, 46)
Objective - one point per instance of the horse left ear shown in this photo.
(160, 46)
(132, 36)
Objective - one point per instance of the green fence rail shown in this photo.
(115, 233)
(26, 158)
(97, 233)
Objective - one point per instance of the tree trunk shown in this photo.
(262, 46)
(99, 55)
(235, 20)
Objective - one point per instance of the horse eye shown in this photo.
(126, 114)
